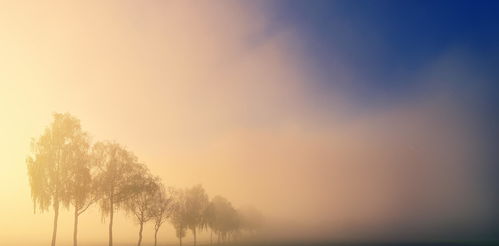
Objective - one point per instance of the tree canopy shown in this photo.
(65, 168)
(54, 155)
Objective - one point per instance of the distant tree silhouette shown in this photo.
(52, 153)
(142, 201)
(163, 207)
(179, 215)
(118, 169)
(196, 202)
(210, 219)
(222, 218)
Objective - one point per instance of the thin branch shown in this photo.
(88, 204)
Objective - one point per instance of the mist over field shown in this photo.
(335, 122)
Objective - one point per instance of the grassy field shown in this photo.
(435, 243)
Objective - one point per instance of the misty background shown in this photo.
(338, 121)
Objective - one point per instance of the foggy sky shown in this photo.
(213, 93)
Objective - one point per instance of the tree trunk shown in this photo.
(180, 241)
(75, 228)
(156, 235)
(194, 233)
(56, 217)
(140, 233)
(211, 237)
(111, 214)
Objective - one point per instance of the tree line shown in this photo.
(66, 170)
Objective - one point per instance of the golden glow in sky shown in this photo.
(206, 93)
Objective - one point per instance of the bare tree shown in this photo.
(163, 208)
(196, 202)
(47, 165)
(118, 168)
(142, 201)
